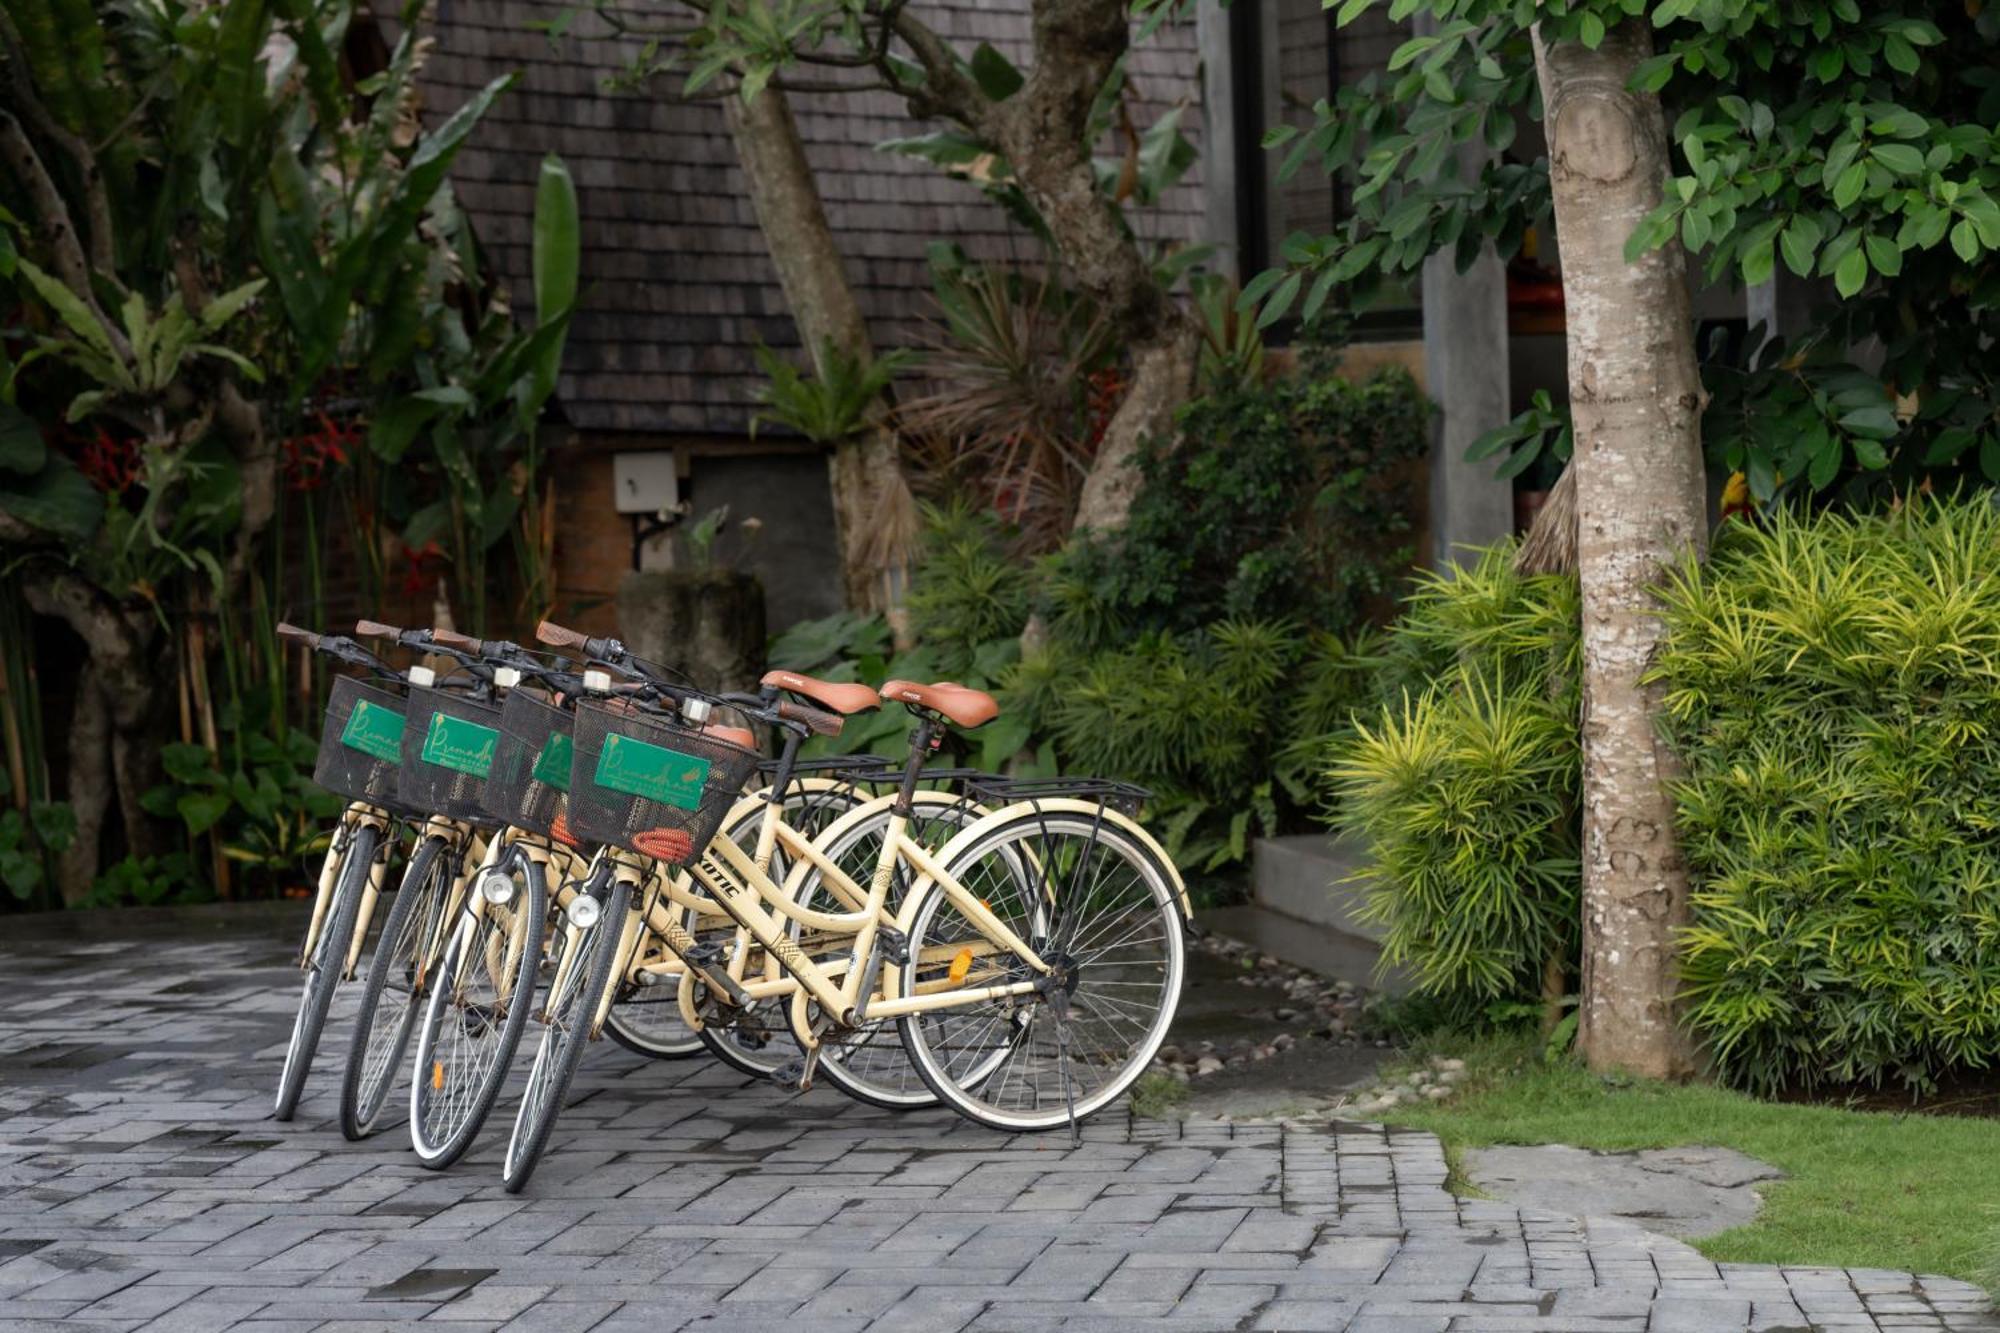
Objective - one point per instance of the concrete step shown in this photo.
(1304, 876)
(1319, 948)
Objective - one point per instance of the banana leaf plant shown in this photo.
(212, 232)
(479, 410)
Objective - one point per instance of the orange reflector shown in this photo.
(961, 963)
(437, 1075)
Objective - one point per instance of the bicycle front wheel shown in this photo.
(583, 961)
(392, 996)
(1096, 905)
(323, 970)
(476, 1010)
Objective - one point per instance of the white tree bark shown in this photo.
(1636, 400)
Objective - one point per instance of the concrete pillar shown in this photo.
(1219, 166)
(1465, 371)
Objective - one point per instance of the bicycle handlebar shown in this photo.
(340, 648)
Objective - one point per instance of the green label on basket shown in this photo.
(454, 743)
(374, 730)
(552, 764)
(651, 771)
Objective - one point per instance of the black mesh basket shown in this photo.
(449, 742)
(529, 785)
(361, 743)
(1123, 797)
(644, 783)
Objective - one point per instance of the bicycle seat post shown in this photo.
(924, 737)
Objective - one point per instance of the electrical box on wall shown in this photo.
(646, 483)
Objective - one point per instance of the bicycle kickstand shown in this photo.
(1059, 1010)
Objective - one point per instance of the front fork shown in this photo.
(356, 816)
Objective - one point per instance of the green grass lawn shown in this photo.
(1864, 1189)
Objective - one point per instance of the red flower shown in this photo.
(112, 465)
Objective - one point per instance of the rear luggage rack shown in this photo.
(1124, 797)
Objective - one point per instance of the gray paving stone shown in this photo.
(141, 1186)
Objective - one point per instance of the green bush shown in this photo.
(1833, 686)
(1463, 784)
(1279, 501)
(1225, 725)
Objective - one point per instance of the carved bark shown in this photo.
(864, 473)
(1636, 401)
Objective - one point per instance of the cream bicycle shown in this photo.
(1028, 1014)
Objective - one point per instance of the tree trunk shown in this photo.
(1043, 131)
(88, 752)
(1162, 377)
(871, 499)
(1636, 402)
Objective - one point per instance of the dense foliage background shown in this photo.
(1832, 684)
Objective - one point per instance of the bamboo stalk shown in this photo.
(197, 639)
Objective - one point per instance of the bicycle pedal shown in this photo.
(894, 944)
(792, 1076)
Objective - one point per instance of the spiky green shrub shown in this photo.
(1224, 725)
(1463, 783)
(1833, 687)
(967, 591)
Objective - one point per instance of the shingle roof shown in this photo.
(679, 286)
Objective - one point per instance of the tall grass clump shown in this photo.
(1832, 685)
(1462, 782)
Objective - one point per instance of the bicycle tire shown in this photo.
(564, 1039)
(1128, 1026)
(370, 1077)
(336, 934)
(527, 914)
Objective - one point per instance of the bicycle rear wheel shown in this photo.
(478, 1005)
(1098, 906)
(392, 996)
(329, 956)
(583, 961)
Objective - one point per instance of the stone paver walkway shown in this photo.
(142, 1187)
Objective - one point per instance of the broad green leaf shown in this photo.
(1900, 158)
(1875, 423)
(995, 73)
(201, 809)
(1883, 256)
(58, 499)
(396, 425)
(1800, 241)
(21, 446)
(1848, 188)
(1852, 272)
(1758, 262)
(557, 251)
(1965, 240)
(1280, 301)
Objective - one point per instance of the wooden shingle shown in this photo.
(678, 284)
